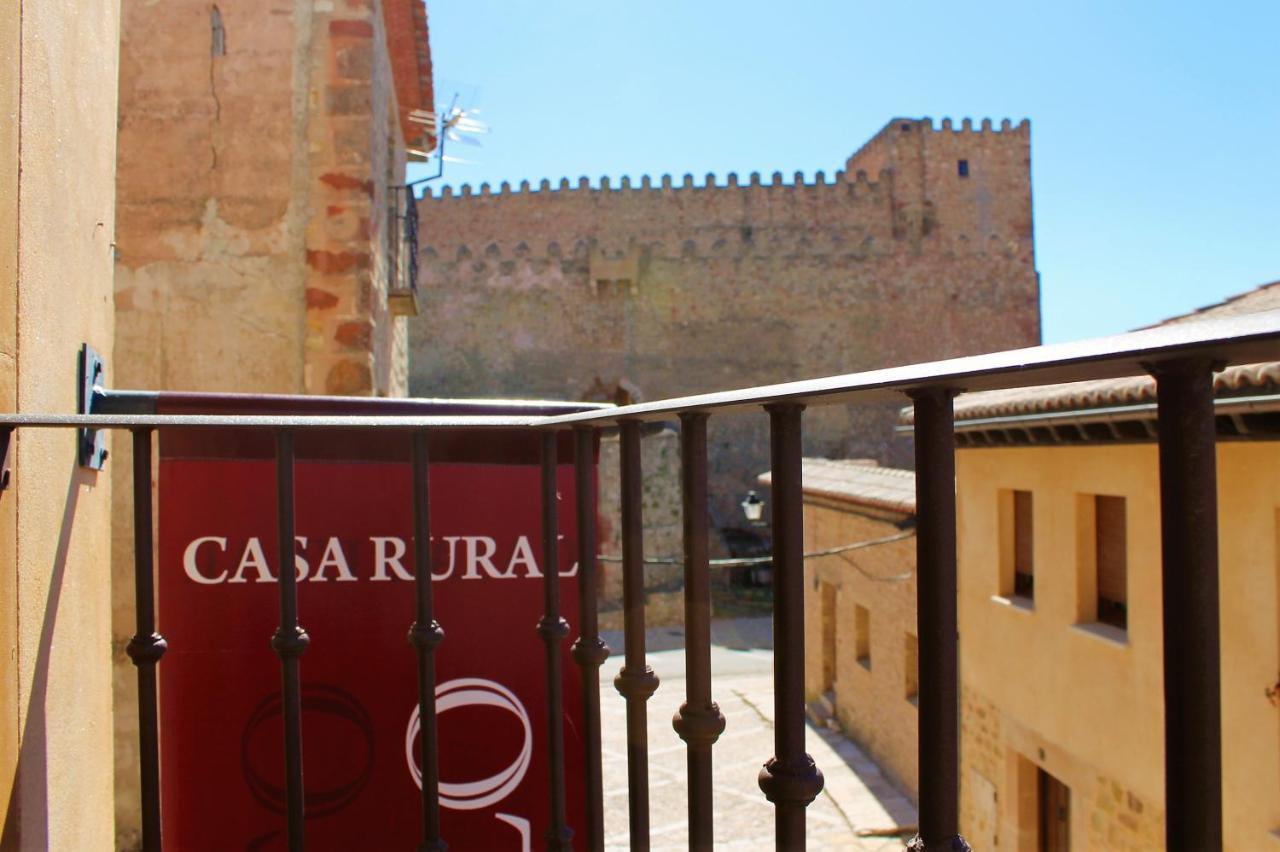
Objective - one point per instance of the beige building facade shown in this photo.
(1060, 578)
(1060, 610)
(57, 212)
(860, 605)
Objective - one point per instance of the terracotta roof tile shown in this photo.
(1134, 390)
(410, 48)
(858, 481)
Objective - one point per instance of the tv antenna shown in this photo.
(455, 124)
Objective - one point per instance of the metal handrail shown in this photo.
(1181, 357)
(1241, 340)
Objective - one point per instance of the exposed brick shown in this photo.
(351, 29)
(318, 299)
(337, 180)
(356, 334)
(329, 262)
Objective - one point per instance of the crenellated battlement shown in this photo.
(914, 187)
(664, 184)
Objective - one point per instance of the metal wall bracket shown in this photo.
(6, 440)
(92, 442)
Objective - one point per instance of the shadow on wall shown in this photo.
(28, 827)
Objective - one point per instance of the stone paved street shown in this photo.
(857, 795)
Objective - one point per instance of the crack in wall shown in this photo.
(217, 47)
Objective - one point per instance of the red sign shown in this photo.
(220, 715)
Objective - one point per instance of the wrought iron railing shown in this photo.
(1182, 358)
(402, 288)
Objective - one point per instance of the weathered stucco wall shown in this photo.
(678, 289)
(1045, 688)
(258, 146)
(57, 162)
(213, 203)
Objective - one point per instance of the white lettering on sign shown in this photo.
(523, 555)
(213, 560)
(336, 559)
(480, 550)
(189, 560)
(253, 557)
(382, 560)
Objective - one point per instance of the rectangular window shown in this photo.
(1023, 551)
(828, 636)
(1017, 545)
(911, 668)
(862, 635)
(1111, 559)
(962, 168)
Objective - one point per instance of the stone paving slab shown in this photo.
(857, 795)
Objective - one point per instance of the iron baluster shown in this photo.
(936, 624)
(791, 780)
(699, 721)
(147, 646)
(553, 629)
(636, 682)
(589, 651)
(289, 642)
(425, 635)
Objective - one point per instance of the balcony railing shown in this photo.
(402, 254)
(1182, 359)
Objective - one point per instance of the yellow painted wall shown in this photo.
(57, 194)
(1085, 703)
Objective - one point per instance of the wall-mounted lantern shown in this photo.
(753, 508)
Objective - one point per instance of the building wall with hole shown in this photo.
(867, 678)
(1047, 687)
(679, 288)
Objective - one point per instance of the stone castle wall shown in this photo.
(673, 288)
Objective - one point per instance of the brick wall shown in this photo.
(680, 288)
(357, 155)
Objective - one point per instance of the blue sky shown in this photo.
(1155, 126)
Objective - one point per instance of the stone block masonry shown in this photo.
(920, 248)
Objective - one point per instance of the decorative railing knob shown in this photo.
(146, 650)
(699, 726)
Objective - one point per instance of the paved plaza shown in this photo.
(857, 796)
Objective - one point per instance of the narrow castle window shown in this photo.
(906, 128)
(962, 168)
